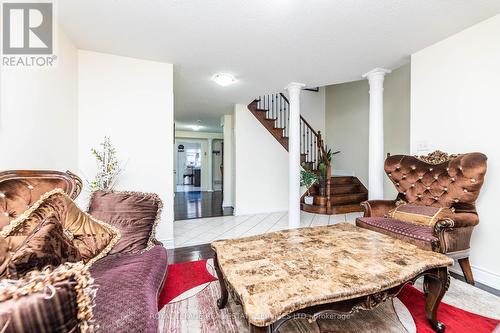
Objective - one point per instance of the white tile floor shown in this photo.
(205, 230)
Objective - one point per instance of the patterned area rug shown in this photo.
(188, 305)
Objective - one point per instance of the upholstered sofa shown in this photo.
(436, 180)
(126, 284)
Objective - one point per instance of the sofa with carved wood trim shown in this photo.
(118, 293)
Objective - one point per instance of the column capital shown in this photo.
(376, 72)
(294, 86)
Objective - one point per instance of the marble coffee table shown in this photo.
(323, 272)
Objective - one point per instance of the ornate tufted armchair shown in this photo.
(439, 180)
(19, 189)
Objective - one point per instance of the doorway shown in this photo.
(198, 177)
(188, 175)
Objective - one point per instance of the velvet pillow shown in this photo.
(56, 301)
(4, 256)
(417, 214)
(93, 238)
(46, 246)
(135, 214)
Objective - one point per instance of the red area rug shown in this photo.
(455, 319)
(186, 276)
(183, 277)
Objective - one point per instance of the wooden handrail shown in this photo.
(301, 118)
(310, 127)
(284, 97)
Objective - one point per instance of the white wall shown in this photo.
(229, 163)
(347, 111)
(312, 108)
(261, 163)
(198, 135)
(396, 118)
(455, 108)
(131, 101)
(347, 115)
(38, 119)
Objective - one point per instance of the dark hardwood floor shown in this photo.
(190, 253)
(204, 251)
(193, 205)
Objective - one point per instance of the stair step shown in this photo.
(341, 199)
(344, 188)
(339, 209)
(342, 180)
(261, 110)
(348, 208)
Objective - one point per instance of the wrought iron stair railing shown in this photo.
(312, 147)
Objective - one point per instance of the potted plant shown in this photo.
(324, 169)
(308, 179)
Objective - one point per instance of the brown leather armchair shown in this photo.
(438, 180)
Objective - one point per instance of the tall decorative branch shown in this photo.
(108, 167)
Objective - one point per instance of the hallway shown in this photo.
(197, 204)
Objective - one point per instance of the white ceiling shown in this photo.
(264, 43)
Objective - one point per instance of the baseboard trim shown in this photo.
(481, 275)
(168, 243)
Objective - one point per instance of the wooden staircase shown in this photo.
(346, 194)
(337, 195)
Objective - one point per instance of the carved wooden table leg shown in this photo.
(425, 285)
(222, 301)
(437, 285)
(257, 329)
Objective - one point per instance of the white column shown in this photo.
(376, 172)
(210, 167)
(294, 89)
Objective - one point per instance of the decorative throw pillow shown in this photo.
(423, 215)
(93, 238)
(46, 246)
(4, 256)
(21, 227)
(59, 300)
(135, 214)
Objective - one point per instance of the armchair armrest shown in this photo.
(454, 232)
(457, 220)
(465, 220)
(377, 208)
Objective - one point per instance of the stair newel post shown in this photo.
(328, 188)
(318, 148)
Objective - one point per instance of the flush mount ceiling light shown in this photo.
(223, 79)
(196, 127)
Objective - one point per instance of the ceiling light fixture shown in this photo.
(223, 79)
(197, 127)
